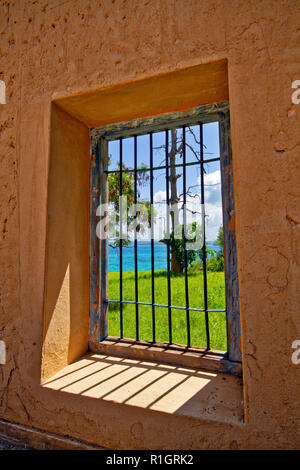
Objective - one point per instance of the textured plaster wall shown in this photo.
(51, 49)
(66, 300)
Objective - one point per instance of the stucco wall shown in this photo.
(51, 49)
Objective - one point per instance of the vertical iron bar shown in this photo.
(168, 237)
(135, 244)
(121, 240)
(204, 239)
(103, 240)
(184, 241)
(152, 236)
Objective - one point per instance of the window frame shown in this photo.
(229, 362)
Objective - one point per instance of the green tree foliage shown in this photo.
(214, 258)
(128, 191)
(177, 244)
(216, 261)
(220, 240)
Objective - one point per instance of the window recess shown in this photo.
(163, 264)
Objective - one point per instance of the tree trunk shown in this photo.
(175, 265)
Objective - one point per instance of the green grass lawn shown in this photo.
(216, 299)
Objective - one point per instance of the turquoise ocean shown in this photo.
(144, 256)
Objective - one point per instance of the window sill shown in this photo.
(163, 388)
(174, 354)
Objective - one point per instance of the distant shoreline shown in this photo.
(144, 256)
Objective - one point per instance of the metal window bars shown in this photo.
(99, 298)
(166, 167)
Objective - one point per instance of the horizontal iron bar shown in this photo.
(132, 170)
(108, 301)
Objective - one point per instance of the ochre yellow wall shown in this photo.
(174, 91)
(66, 301)
(53, 50)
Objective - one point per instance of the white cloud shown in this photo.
(213, 220)
(213, 203)
(213, 209)
(212, 184)
(193, 214)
